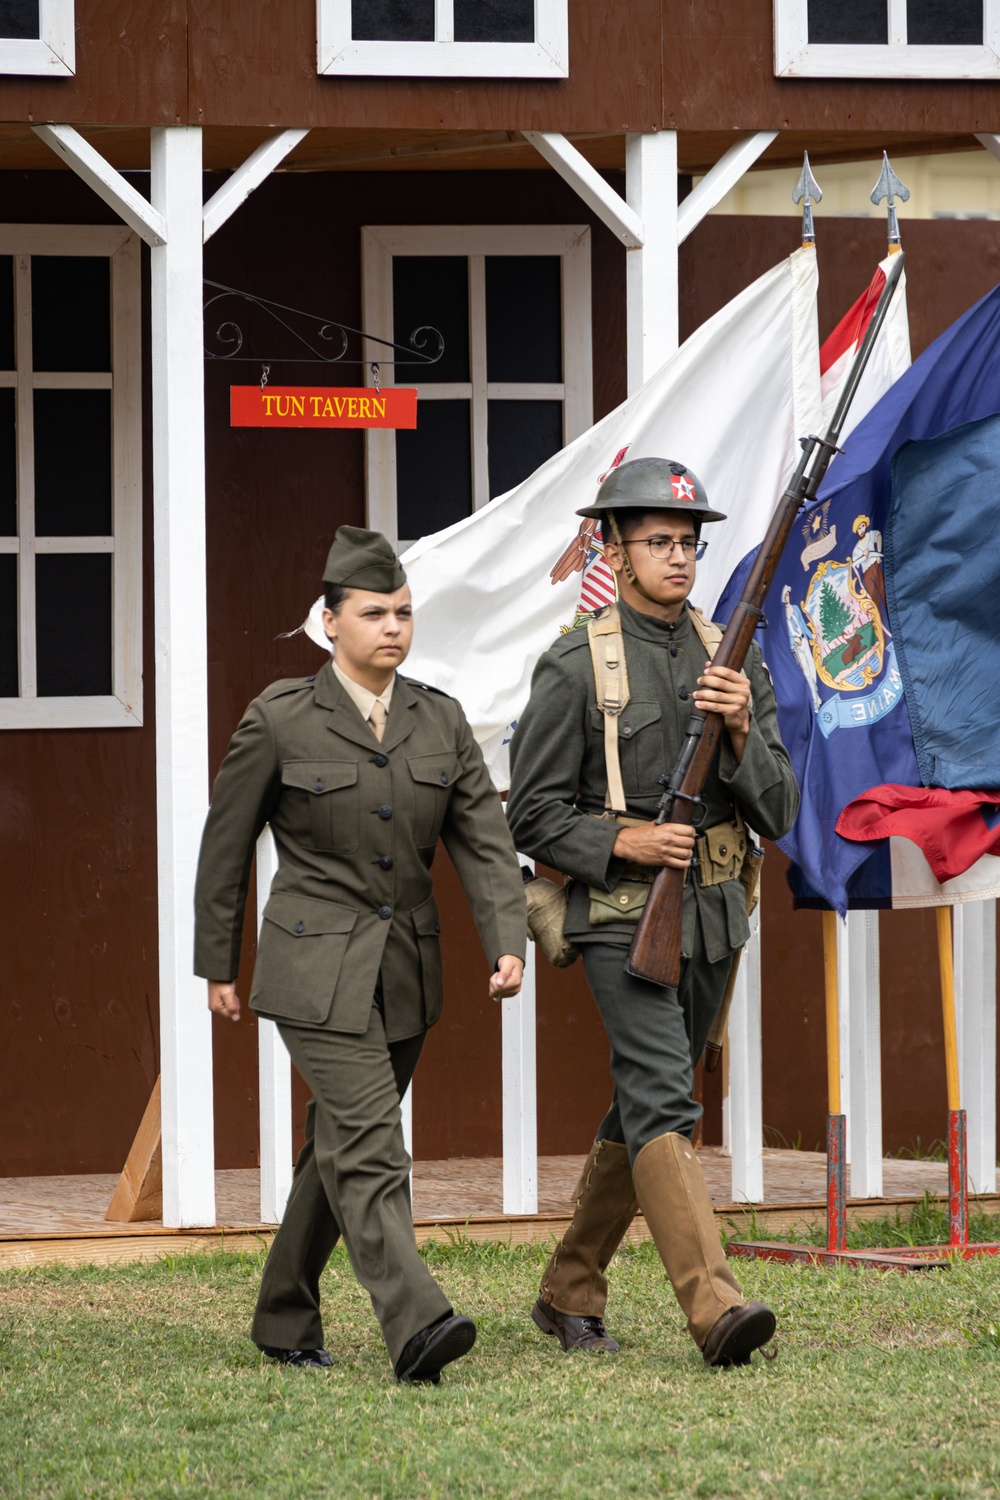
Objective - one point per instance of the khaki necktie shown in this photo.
(377, 719)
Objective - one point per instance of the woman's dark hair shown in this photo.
(334, 595)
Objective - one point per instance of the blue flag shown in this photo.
(852, 644)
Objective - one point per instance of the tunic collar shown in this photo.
(650, 628)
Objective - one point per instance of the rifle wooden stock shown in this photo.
(655, 953)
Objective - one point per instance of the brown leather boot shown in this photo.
(674, 1199)
(574, 1288)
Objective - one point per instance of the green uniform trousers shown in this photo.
(352, 1178)
(657, 1036)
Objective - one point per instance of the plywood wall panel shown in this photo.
(131, 68)
(718, 71)
(252, 63)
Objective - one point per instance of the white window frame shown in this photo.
(796, 57)
(571, 242)
(53, 53)
(123, 707)
(338, 55)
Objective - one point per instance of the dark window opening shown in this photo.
(19, 20)
(522, 435)
(944, 23)
(431, 291)
(71, 312)
(73, 463)
(434, 469)
(8, 626)
(8, 465)
(392, 20)
(494, 20)
(7, 356)
(524, 317)
(73, 624)
(857, 22)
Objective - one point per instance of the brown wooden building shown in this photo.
(150, 554)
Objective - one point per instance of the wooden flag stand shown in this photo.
(139, 1194)
(892, 1258)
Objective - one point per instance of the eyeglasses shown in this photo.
(662, 547)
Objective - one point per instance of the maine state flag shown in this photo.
(883, 635)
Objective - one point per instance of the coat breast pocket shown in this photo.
(640, 746)
(433, 777)
(325, 790)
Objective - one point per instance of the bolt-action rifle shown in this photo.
(655, 953)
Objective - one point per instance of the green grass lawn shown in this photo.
(141, 1381)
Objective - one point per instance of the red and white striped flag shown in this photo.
(889, 358)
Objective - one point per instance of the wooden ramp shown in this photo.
(45, 1220)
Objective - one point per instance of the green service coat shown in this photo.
(356, 823)
(559, 779)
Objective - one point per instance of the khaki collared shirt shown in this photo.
(360, 696)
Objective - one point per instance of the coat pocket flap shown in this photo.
(319, 775)
(633, 717)
(439, 769)
(304, 916)
(426, 922)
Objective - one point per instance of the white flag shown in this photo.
(492, 592)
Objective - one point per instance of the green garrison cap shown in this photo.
(652, 484)
(362, 559)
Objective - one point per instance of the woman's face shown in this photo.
(372, 632)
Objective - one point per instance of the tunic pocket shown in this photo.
(334, 813)
(427, 927)
(433, 777)
(640, 747)
(300, 954)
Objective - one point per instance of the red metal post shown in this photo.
(836, 1187)
(958, 1179)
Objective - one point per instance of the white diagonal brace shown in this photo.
(106, 181)
(991, 142)
(716, 184)
(588, 183)
(237, 188)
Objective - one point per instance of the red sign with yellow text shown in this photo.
(321, 406)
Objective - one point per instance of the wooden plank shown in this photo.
(139, 1194)
(651, 272)
(512, 1229)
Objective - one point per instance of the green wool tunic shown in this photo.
(559, 778)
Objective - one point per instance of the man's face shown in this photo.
(669, 577)
(372, 632)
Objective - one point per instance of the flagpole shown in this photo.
(958, 1180)
(890, 188)
(836, 1122)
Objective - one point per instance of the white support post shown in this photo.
(520, 1116)
(861, 1050)
(975, 1003)
(714, 186)
(651, 271)
(181, 670)
(745, 1101)
(274, 1075)
(588, 184)
(237, 188)
(109, 185)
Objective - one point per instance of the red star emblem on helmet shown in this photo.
(682, 487)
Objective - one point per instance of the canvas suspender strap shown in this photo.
(607, 651)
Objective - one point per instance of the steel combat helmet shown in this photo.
(652, 484)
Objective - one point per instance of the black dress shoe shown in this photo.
(738, 1333)
(586, 1333)
(303, 1359)
(434, 1347)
